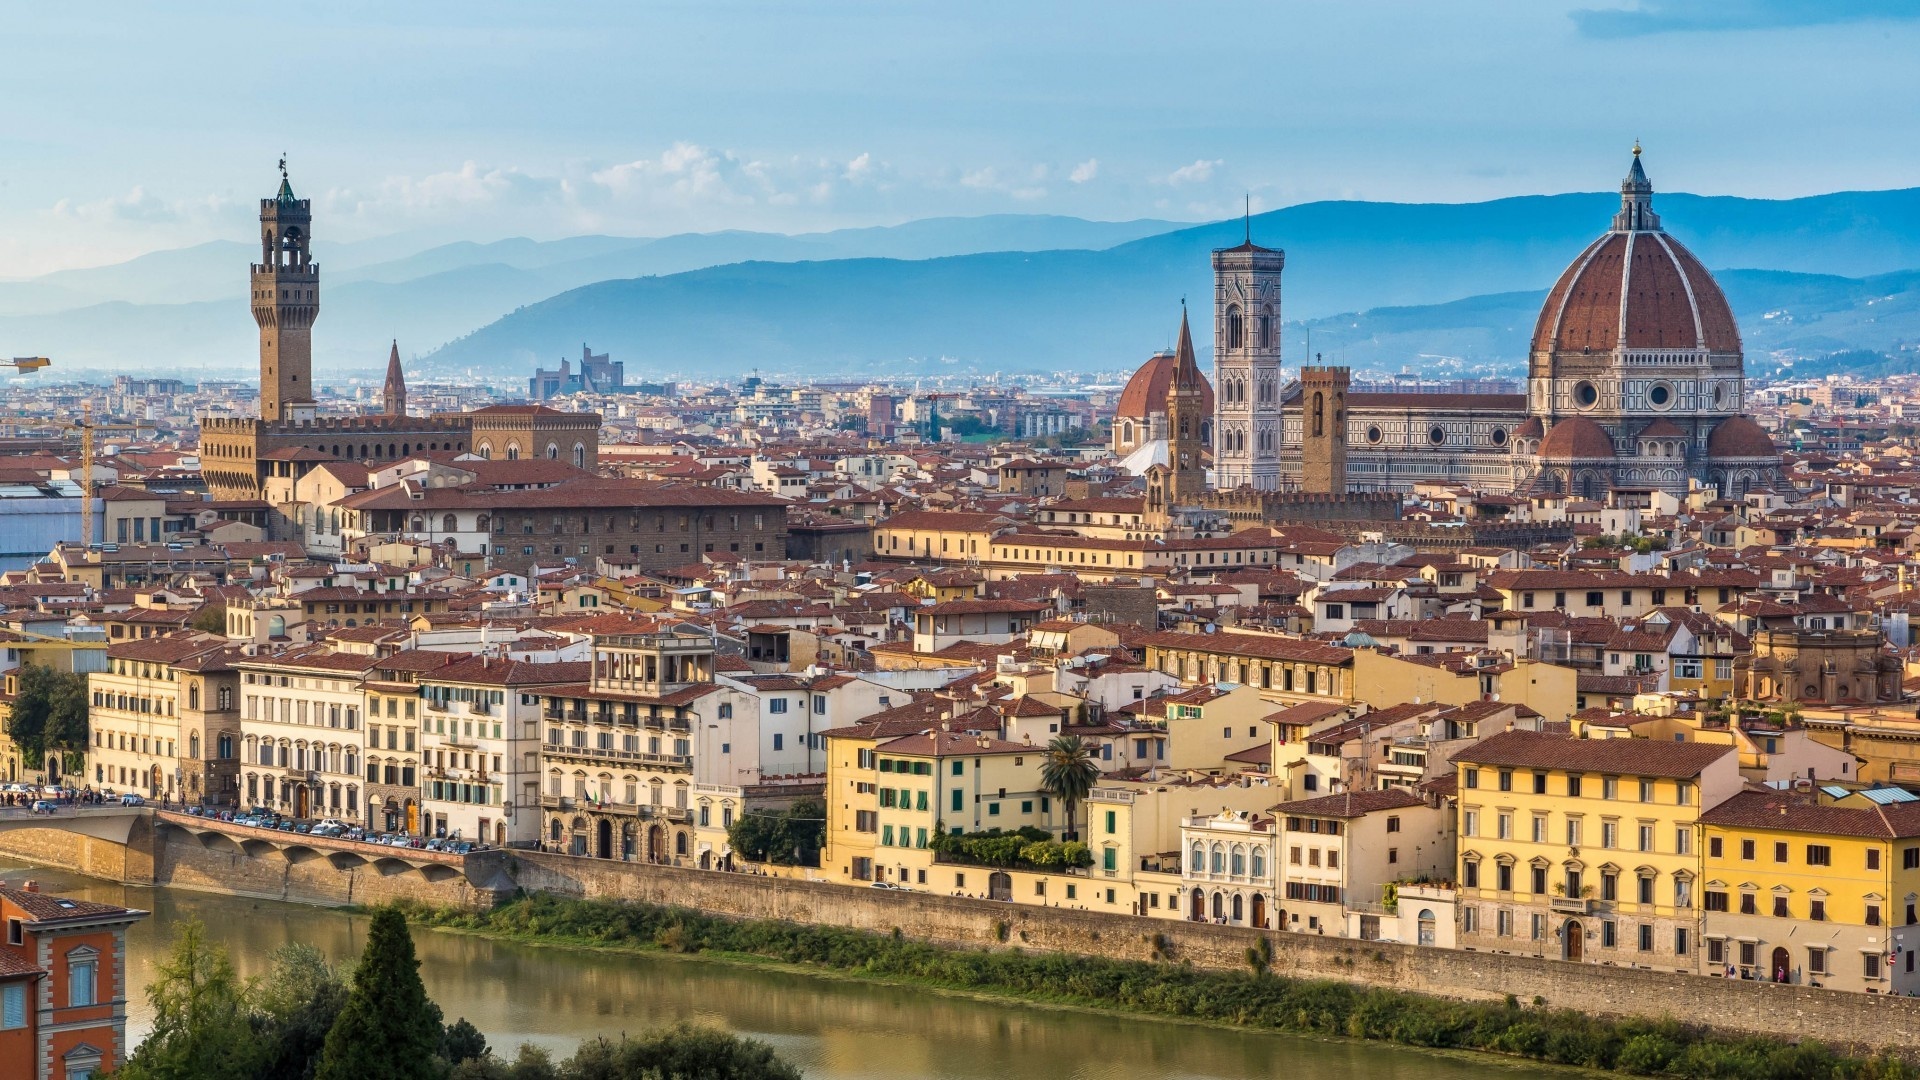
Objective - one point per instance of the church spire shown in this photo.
(1186, 370)
(395, 393)
(1636, 200)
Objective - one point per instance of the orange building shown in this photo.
(63, 987)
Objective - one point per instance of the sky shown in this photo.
(133, 127)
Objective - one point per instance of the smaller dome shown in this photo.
(1360, 639)
(1530, 428)
(1740, 437)
(1662, 429)
(1146, 393)
(1576, 438)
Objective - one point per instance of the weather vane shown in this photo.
(283, 165)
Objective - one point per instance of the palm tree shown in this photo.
(1067, 772)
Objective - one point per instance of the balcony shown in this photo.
(635, 757)
(1571, 905)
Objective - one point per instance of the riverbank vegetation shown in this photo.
(1251, 999)
(307, 1020)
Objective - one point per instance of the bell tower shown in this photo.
(286, 299)
(1186, 422)
(1246, 365)
(1323, 429)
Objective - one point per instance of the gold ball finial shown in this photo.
(1636, 148)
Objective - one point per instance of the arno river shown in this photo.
(835, 1030)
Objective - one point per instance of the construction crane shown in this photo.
(86, 427)
(24, 364)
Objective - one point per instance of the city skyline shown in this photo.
(764, 117)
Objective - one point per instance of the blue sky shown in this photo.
(132, 127)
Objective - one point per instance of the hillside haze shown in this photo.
(1417, 283)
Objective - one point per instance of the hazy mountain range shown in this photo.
(1436, 287)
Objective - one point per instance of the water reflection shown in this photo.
(833, 1029)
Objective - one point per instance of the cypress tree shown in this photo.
(388, 1029)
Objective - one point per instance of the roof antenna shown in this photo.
(1248, 216)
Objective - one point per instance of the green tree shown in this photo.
(388, 1030)
(49, 715)
(211, 619)
(1067, 772)
(680, 1053)
(202, 1027)
(764, 836)
(297, 1005)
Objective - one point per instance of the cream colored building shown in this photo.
(302, 734)
(135, 709)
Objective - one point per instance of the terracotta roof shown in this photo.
(1633, 757)
(1643, 282)
(1146, 392)
(1350, 804)
(46, 907)
(1576, 438)
(1739, 436)
(1798, 812)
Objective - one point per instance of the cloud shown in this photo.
(1199, 172)
(859, 169)
(1085, 171)
(1667, 16)
(1025, 187)
(140, 207)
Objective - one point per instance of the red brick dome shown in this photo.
(1740, 437)
(1636, 288)
(1576, 438)
(1146, 392)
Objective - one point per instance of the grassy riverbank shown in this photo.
(1250, 999)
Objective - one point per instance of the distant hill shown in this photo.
(1011, 292)
(1465, 275)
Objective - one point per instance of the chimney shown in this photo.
(34, 886)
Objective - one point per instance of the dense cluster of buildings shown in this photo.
(1614, 670)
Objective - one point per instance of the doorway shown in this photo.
(1260, 910)
(603, 848)
(1000, 886)
(1573, 941)
(1782, 966)
(1199, 906)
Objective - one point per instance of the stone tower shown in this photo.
(1186, 422)
(394, 396)
(1246, 366)
(1323, 429)
(286, 298)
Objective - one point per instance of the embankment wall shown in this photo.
(1864, 1021)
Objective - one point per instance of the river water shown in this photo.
(833, 1029)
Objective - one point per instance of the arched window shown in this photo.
(1319, 414)
(553, 451)
(1266, 327)
(419, 524)
(482, 523)
(1199, 859)
(485, 450)
(1239, 862)
(1219, 859)
(1234, 333)
(1126, 432)
(449, 524)
(513, 451)
(579, 455)
(1259, 862)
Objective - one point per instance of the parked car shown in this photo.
(44, 806)
(131, 799)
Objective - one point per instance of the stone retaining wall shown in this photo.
(1863, 1021)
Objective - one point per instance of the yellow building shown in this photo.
(958, 781)
(1586, 849)
(1803, 887)
(1284, 669)
(1380, 680)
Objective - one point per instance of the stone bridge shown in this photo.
(144, 845)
